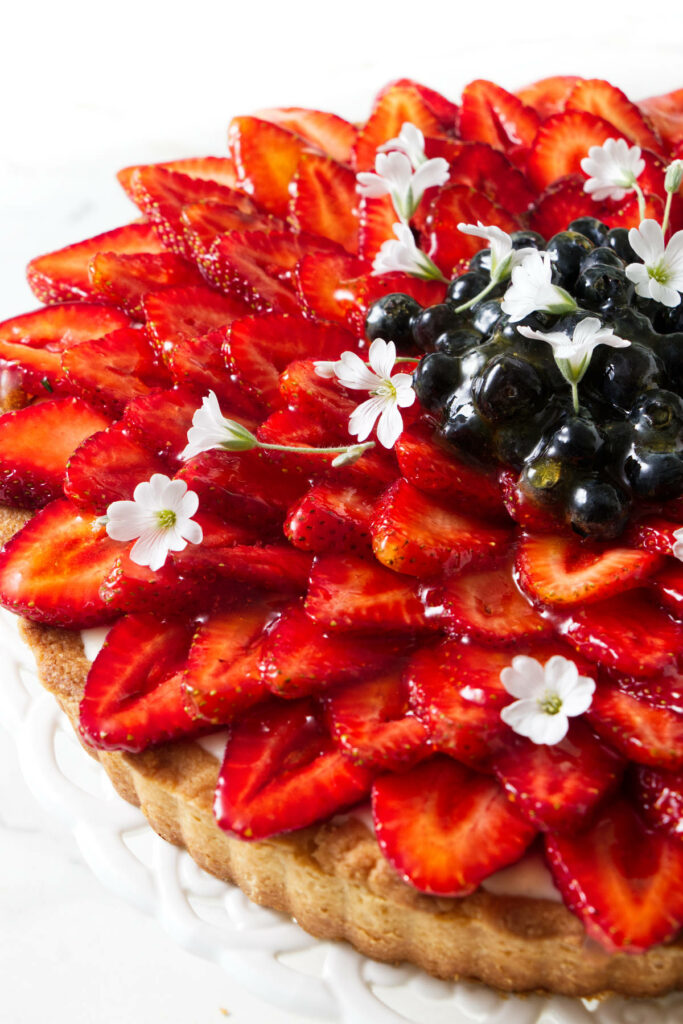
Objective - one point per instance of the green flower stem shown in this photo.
(575, 395)
(339, 450)
(667, 212)
(466, 305)
(641, 200)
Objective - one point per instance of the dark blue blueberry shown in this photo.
(435, 378)
(463, 288)
(591, 227)
(390, 318)
(578, 440)
(481, 262)
(603, 289)
(568, 249)
(669, 319)
(596, 508)
(458, 342)
(527, 239)
(602, 255)
(508, 387)
(431, 322)
(657, 416)
(654, 475)
(487, 315)
(465, 429)
(617, 239)
(618, 375)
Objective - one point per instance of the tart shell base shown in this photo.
(334, 880)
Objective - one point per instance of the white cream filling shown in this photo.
(215, 743)
(93, 640)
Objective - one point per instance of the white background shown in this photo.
(86, 88)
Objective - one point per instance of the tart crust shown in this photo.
(335, 881)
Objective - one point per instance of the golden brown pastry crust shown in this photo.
(334, 880)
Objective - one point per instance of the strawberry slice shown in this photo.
(333, 286)
(51, 570)
(372, 725)
(660, 798)
(522, 508)
(668, 587)
(654, 533)
(417, 534)
(558, 788)
(108, 467)
(282, 772)
(626, 633)
(548, 96)
(203, 222)
(561, 203)
(561, 570)
(179, 313)
(487, 605)
(491, 114)
(666, 114)
(35, 445)
(444, 828)
(259, 348)
(198, 365)
(35, 341)
(643, 733)
(447, 245)
(397, 103)
(598, 97)
(63, 275)
(112, 370)
(125, 278)
(133, 695)
(266, 158)
(222, 677)
(621, 879)
(272, 567)
(346, 592)
(299, 659)
(161, 419)
(485, 169)
(563, 141)
(219, 169)
(303, 390)
(323, 200)
(329, 517)
(130, 587)
(445, 111)
(328, 132)
(376, 219)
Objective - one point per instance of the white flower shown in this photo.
(389, 394)
(410, 141)
(404, 256)
(210, 429)
(547, 697)
(677, 548)
(673, 176)
(159, 516)
(660, 275)
(503, 257)
(573, 355)
(531, 289)
(612, 169)
(394, 176)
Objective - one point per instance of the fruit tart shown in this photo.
(364, 445)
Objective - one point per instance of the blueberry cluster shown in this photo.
(498, 396)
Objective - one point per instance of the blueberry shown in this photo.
(617, 375)
(463, 288)
(428, 324)
(631, 324)
(603, 288)
(591, 227)
(486, 316)
(516, 441)
(436, 376)
(481, 262)
(390, 318)
(457, 342)
(527, 239)
(596, 508)
(568, 249)
(654, 475)
(465, 428)
(669, 348)
(617, 239)
(657, 417)
(669, 319)
(508, 386)
(543, 479)
(602, 255)
(577, 440)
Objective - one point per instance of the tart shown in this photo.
(355, 618)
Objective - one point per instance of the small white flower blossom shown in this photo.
(677, 547)
(532, 290)
(573, 355)
(548, 696)
(673, 176)
(660, 275)
(210, 429)
(158, 519)
(389, 394)
(394, 176)
(404, 256)
(410, 141)
(503, 257)
(613, 169)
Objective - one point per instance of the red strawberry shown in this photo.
(219, 169)
(35, 444)
(418, 535)
(133, 695)
(487, 605)
(333, 286)
(660, 798)
(490, 114)
(444, 828)
(397, 103)
(376, 219)
(51, 570)
(557, 788)
(125, 279)
(563, 141)
(298, 658)
(301, 388)
(561, 203)
(179, 313)
(447, 245)
(621, 879)
(666, 114)
(198, 365)
(561, 570)
(548, 96)
(606, 101)
(130, 587)
(668, 586)
(108, 467)
(654, 533)
(114, 369)
(272, 567)
(328, 132)
(643, 733)
(203, 222)
(485, 169)
(331, 516)
(522, 508)
(323, 200)
(35, 341)
(63, 275)
(266, 158)
(371, 724)
(161, 419)
(282, 772)
(346, 592)
(443, 109)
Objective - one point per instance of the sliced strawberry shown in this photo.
(130, 587)
(298, 658)
(522, 508)
(492, 115)
(51, 570)
(301, 388)
(485, 169)
(562, 570)
(376, 219)
(222, 677)
(329, 517)
(203, 222)
(548, 96)
(397, 103)
(282, 772)
(558, 788)
(108, 467)
(323, 200)
(198, 365)
(487, 605)
(626, 633)
(133, 695)
(562, 143)
(417, 534)
(668, 586)
(63, 275)
(371, 723)
(35, 341)
(660, 798)
(666, 114)
(125, 279)
(445, 111)
(598, 97)
(643, 733)
(179, 313)
(333, 286)
(114, 369)
(272, 567)
(330, 133)
(219, 169)
(258, 348)
(561, 203)
(161, 419)
(662, 691)
(266, 158)
(444, 828)
(447, 245)
(35, 445)
(621, 879)
(346, 592)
